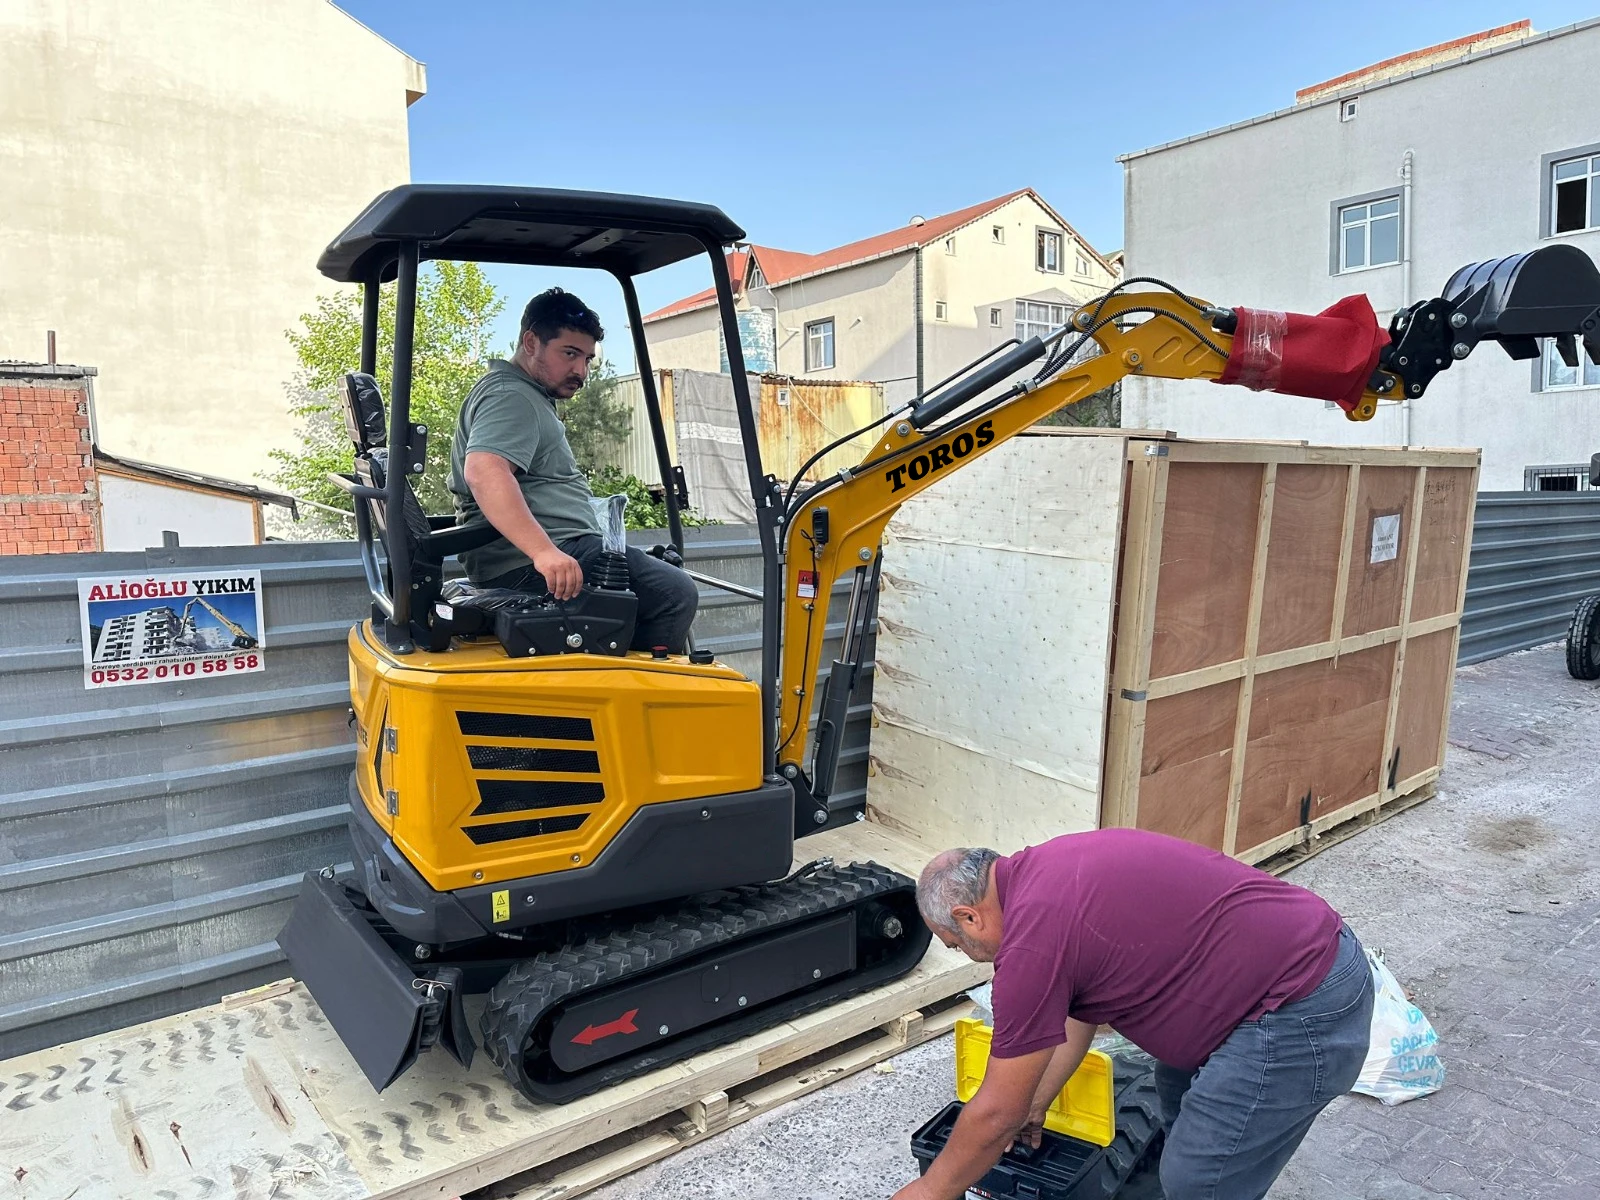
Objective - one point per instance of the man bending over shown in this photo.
(512, 465)
(1251, 993)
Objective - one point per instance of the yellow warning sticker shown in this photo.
(502, 906)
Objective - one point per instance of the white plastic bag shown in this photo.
(1402, 1058)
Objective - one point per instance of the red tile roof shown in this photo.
(1387, 66)
(786, 266)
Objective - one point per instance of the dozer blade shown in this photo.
(384, 1011)
(630, 999)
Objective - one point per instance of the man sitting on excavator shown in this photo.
(512, 464)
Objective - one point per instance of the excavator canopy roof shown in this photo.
(626, 235)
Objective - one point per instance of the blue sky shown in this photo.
(813, 124)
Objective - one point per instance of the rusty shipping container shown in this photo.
(795, 418)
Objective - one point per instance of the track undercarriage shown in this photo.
(578, 1006)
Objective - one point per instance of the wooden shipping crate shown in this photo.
(1246, 644)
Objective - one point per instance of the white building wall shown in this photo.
(982, 275)
(169, 172)
(874, 335)
(688, 340)
(1244, 218)
(135, 512)
(874, 307)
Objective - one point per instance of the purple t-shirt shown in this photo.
(1169, 943)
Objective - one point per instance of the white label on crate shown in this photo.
(1386, 538)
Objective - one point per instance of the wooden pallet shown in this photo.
(597, 1165)
(1315, 840)
(256, 1097)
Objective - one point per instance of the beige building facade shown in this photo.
(169, 172)
(904, 308)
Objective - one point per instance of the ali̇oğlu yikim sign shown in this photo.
(157, 628)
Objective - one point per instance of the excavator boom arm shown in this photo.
(906, 460)
(1552, 292)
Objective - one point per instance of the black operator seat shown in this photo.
(429, 540)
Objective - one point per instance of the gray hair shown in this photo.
(953, 879)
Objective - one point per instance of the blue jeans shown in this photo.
(667, 597)
(1234, 1123)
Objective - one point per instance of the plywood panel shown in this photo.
(1317, 730)
(1207, 549)
(994, 641)
(1302, 556)
(1447, 503)
(1188, 755)
(1378, 555)
(1424, 699)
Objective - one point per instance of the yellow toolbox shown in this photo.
(1086, 1108)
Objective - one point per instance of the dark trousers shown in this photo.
(1233, 1124)
(667, 596)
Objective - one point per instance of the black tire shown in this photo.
(1583, 640)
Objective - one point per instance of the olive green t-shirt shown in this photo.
(508, 414)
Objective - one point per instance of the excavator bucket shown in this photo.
(1551, 292)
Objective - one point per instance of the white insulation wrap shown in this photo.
(994, 644)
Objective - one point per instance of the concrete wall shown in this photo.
(873, 306)
(169, 172)
(1244, 217)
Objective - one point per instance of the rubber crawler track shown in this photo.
(532, 988)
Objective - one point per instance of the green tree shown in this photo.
(597, 420)
(1098, 409)
(456, 306)
(645, 510)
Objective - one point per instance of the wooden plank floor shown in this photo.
(257, 1098)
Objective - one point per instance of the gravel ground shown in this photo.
(1484, 901)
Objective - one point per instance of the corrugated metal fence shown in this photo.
(1534, 555)
(152, 838)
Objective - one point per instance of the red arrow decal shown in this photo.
(593, 1033)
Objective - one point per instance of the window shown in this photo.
(1082, 265)
(1367, 234)
(1558, 477)
(949, 245)
(1557, 376)
(1347, 110)
(994, 318)
(819, 345)
(1047, 251)
(1037, 319)
(757, 279)
(1575, 195)
(998, 233)
(941, 311)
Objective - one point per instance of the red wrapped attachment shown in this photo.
(1330, 356)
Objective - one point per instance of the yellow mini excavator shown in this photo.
(601, 840)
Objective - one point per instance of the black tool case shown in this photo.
(1064, 1168)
